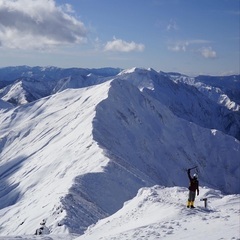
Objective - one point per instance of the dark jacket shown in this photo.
(193, 186)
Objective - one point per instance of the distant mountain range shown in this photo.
(225, 90)
(26, 84)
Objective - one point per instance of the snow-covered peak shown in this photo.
(137, 70)
(130, 70)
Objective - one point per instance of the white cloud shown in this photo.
(172, 25)
(190, 45)
(236, 12)
(67, 8)
(207, 52)
(38, 24)
(178, 46)
(120, 45)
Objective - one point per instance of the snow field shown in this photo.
(161, 213)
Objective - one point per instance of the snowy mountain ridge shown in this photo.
(77, 155)
(37, 82)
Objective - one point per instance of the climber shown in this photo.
(193, 188)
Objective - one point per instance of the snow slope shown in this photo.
(160, 213)
(44, 145)
(76, 156)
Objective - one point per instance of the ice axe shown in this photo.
(193, 168)
(205, 201)
(190, 168)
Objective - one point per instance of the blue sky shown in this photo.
(188, 36)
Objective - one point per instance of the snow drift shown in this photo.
(159, 212)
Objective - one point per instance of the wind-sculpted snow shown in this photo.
(160, 213)
(76, 156)
(144, 137)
